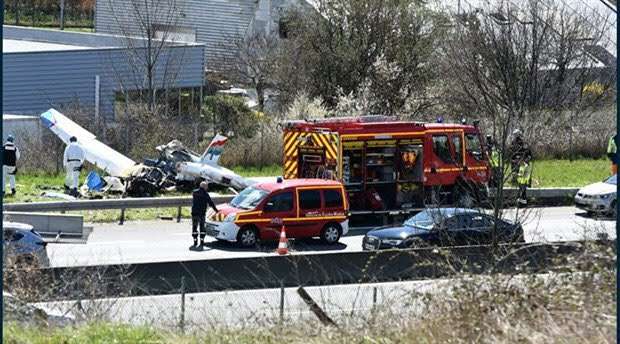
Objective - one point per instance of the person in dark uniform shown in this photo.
(200, 201)
(10, 157)
(612, 153)
(518, 152)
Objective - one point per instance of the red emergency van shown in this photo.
(307, 207)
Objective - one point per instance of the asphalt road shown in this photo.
(158, 241)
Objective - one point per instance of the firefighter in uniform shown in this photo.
(200, 201)
(612, 153)
(518, 152)
(9, 168)
(524, 179)
(72, 161)
(494, 160)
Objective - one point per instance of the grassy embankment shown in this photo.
(546, 173)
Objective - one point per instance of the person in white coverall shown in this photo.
(9, 162)
(72, 161)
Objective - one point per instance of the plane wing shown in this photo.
(97, 153)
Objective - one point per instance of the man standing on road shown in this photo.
(10, 157)
(200, 201)
(612, 153)
(73, 160)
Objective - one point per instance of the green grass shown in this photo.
(270, 170)
(79, 29)
(565, 173)
(31, 186)
(93, 333)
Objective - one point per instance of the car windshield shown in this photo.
(426, 219)
(249, 198)
(612, 180)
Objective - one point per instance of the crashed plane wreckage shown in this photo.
(176, 166)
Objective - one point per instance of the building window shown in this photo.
(174, 33)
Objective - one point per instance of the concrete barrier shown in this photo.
(50, 224)
(314, 269)
(542, 196)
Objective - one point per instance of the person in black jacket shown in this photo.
(200, 201)
(9, 162)
(518, 151)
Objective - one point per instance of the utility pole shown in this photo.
(62, 14)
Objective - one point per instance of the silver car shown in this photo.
(599, 198)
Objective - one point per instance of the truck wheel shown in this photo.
(247, 237)
(464, 199)
(464, 195)
(331, 233)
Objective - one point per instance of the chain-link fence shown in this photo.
(345, 305)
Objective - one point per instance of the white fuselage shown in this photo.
(214, 173)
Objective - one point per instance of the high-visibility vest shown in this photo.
(611, 146)
(525, 173)
(494, 157)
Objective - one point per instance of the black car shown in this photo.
(443, 227)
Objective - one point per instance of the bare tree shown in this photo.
(253, 62)
(521, 67)
(253, 66)
(148, 28)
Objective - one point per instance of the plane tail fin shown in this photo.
(214, 151)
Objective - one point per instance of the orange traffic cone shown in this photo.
(283, 245)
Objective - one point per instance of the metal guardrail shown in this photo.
(542, 194)
(106, 204)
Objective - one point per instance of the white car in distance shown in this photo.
(599, 198)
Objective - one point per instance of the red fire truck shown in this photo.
(390, 166)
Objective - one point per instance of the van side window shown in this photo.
(333, 198)
(442, 149)
(280, 202)
(310, 199)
